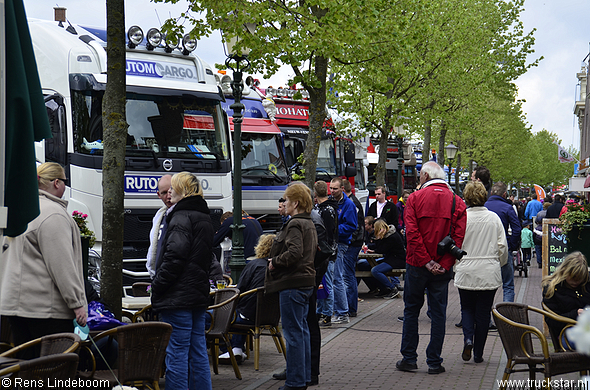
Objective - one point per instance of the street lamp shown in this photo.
(238, 63)
(400, 131)
(451, 152)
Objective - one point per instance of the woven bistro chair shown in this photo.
(48, 345)
(223, 312)
(516, 333)
(5, 334)
(46, 372)
(139, 289)
(142, 348)
(268, 315)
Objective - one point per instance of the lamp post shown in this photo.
(238, 63)
(451, 152)
(400, 131)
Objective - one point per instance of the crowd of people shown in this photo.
(310, 263)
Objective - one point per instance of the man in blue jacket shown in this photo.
(533, 208)
(347, 224)
(499, 204)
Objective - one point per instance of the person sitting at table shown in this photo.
(390, 243)
(252, 277)
(363, 264)
(565, 292)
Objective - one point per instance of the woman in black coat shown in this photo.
(180, 289)
(565, 292)
(391, 244)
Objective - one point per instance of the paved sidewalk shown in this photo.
(362, 354)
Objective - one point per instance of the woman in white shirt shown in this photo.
(477, 274)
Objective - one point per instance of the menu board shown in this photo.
(554, 245)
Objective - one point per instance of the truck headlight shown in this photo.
(189, 44)
(154, 38)
(135, 36)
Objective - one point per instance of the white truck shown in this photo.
(176, 123)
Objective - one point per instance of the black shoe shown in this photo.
(325, 321)
(400, 318)
(314, 381)
(373, 291)
(399, 288)
(384, 292)
(402, 365)
(459, 324)
(477, 359)
(352, 314)
(467, 348)
(285, 387)
(281, 376)
(493, 327)
(540, 266)
(437, 370)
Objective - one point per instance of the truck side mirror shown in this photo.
(350, 171)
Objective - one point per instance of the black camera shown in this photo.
(448, 245)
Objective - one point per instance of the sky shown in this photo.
(550, 90)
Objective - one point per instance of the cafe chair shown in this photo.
(145, 314)
(268, 315)
(228, 280)
(49, 345)
(139, 289)
(222, 313)
(51, 371)
(558, 339)
(141, 352)
(516, 333)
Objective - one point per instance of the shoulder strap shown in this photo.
(452, 213)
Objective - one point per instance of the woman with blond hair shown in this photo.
(180, 289)
(565, 292)
(291, 274)
(41, 277)
(478, 273)
(390, 243)
(252, 277)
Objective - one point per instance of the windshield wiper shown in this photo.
(264, 168)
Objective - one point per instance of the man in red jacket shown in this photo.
(428, 221)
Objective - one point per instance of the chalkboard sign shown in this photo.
(554, 245)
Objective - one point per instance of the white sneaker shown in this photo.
(238, 352)
(341, 319)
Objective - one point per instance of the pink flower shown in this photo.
(84, 216)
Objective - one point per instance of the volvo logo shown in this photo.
(167, 165)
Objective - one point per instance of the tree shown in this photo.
(113, 163)
(306, 35)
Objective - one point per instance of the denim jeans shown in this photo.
(418, 281)
(338, 285)
(187, 350)
(371, 282)
(378, 273)
(294, 309)
(239, 340)
(352, 294)
(539, 251)
(476, 307)
(326, 306)
(508, 279)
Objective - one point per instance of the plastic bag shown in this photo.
(100, 318)
(323, 291)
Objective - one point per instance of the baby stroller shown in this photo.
(519, 263)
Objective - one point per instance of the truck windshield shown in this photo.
(182, 126)
(260, 153)
(327, 157)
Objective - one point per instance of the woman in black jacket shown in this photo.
(180, 289)
(391, 244)
(565, 292)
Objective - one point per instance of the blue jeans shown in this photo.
(508, 279)
(378, 273)
(539, 250)
(294, 308)
(352, 293)
(338, 285)
(326, 306)
(187, 350)
(476, 307)
(418, 281)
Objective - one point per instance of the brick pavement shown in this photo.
(362, 354)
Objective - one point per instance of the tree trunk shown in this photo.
(113, 164)
(317, 116)
(441, 145)
(427, 137)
